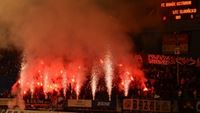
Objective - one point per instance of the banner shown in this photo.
(37, 104)
(171, 60)
(161, 59)
(4, 101)
(147, 105)
(79, 103)
(167, 60)
(104, 104)
(30, 111)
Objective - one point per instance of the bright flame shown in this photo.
(73, 80)
(132, 79)
(145, 89)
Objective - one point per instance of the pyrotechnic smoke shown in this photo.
(108, 68)
(50, 32)
(126, 77)
(129, 71)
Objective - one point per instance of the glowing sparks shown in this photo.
(46, 86)
(94, 85)
(94, 82)
(108, 68)
(55, 75)
(22, 77)
(127, 82)
(64, 83)
(128, 74)
(32, 88)
(77, 90)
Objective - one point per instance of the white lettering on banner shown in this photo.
(198, 106)
(103, 104)
(160, 59)
(79, 103)
(188, 61)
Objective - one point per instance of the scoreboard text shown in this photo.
(178, 9)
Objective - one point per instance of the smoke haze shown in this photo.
(44, 27)
(48, 31)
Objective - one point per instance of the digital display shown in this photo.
(175, 43)
(178, 9)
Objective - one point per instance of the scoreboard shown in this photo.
(179, 9)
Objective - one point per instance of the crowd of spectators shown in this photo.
(162, 81)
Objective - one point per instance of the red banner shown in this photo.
(168, 60)
(147, 105)
(80, 103)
